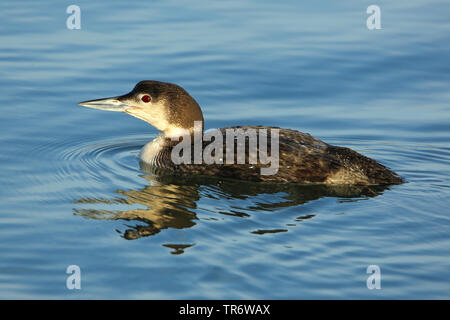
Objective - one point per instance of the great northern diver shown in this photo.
(302, 158)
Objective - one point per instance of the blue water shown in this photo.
(72, 192)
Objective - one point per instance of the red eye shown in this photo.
(146, 98)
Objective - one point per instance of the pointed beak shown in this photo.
(107, 104)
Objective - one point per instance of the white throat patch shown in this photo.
(152, 149)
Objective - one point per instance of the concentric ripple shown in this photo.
(106, 160)
(77, 166)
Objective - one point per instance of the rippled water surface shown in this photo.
(72, 192)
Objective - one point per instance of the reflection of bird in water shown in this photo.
(171, 202)
(167, 206)
(302, 158)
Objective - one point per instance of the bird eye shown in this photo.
(146, 98)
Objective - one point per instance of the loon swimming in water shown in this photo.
(302, 158)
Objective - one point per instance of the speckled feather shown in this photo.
(302, 159)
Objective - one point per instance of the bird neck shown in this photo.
(175, 132)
